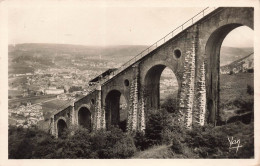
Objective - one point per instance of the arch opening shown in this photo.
(116, 110)
(169, 90)
(61, 126)
(161, 88)
(84, 118)
(220, 86)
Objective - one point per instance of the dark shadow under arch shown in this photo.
(61, 126)
(152, 86)
(84, 118)
(112, 110)
(212, 52)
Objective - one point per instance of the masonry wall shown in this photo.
(91, 102)
(65, 115)
(132, 121)
(212, 30)
(183, 68)
(118, 83)
(196, 70)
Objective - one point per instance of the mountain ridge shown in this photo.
(240, 65)
(44, 54)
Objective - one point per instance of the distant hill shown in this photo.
(27, 57)
(240, 65)
(95, 52)
(231, 54)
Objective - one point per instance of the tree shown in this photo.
(170, 104)
(75, 88)
(250, 90)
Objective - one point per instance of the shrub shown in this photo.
(250, 90)
(156, 123)
(244, 103)
(140, 141)
(154, 127)
(167, 136)
(161, 126)
(33, 143)
(250, 70)
(169, 104)
(124, 148)
(75, 88)
(212, 142)
(177, 146)
(115, 144)
(206, 142)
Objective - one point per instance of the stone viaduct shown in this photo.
(191, 51)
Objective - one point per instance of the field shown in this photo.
(236, 97)
(20, 69)
(14, 93)
(33, 100)
(17, 81)
(234, 86)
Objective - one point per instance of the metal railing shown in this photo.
(157, 44)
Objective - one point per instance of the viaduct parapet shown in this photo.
(191, 51)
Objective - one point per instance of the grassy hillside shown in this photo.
(240, 65)
(155, 152)
(234, 86)
(235, 96)
(231, 54)
(206, 143)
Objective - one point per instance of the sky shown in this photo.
(103, 24)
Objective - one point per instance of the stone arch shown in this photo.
(61, 126)
(112, 108)
(212, 55)
(84, 117)
(152, 85)
(170, 63)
